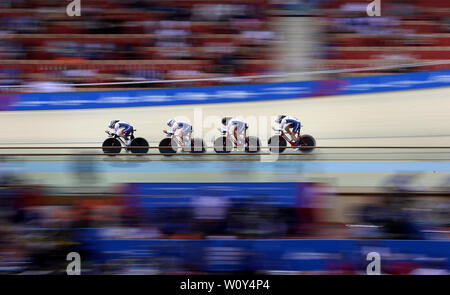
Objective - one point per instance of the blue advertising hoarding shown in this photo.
(235, 254)
(223, 94)
(275, 254)
(160, 195)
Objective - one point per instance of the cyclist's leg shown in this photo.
(295, 129)
(126, 133)
(233, 135)
(184, 146)
(186, 138)
(245, 133)
(287, 129)
(241, 134)
(121, 133)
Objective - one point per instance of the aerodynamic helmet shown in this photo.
(112, 123)
(225, 120)
(170, 122)
(279, 118)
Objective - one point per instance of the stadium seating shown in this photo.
(134, 40)
(408, 32)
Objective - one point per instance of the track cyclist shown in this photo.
(239, 130)
(121, 129)
(185, 131)
(289, 124)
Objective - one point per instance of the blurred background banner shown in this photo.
(224, 227)
(8, 101)
(327, 256)
(184, 194)
(223, 94)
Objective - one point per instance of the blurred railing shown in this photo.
(445, 150)
(143, 63)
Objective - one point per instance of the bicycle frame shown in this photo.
(233, 137)
(131, 135)
(291, 142)
(178, 140)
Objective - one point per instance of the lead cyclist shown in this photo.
(289, 124)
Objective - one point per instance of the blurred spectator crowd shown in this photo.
(135, 40)
(132, 40)
(40, 225)
(407, 31)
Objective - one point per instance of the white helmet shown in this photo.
(279, 118)
(112, 123)
(170, 122)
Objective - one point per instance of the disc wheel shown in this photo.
(277, 144)
(253, 144)
(223, 145)
(139, 142)
(109, 146)
(197, 146)
(165, 147)
(307, 140)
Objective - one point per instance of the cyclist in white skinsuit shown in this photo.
(185, 131)
(239, 132)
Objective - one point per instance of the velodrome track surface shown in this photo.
(408, 118)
